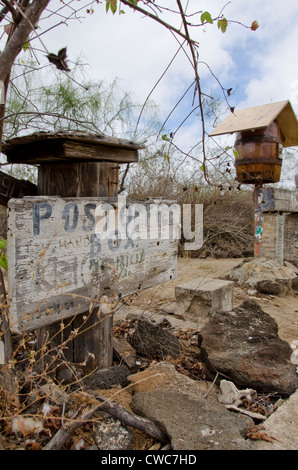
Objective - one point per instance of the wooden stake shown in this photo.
(258, 223)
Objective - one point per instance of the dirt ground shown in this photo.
(283, 309)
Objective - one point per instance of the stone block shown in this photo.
(291, 238)
(197, 300)
(280, 200)
(280, 236)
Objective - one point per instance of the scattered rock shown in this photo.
(164, 376)
(152, 340)
(294, 355)
(274, 287)
(229, 393)
(110, 434)
(254, 272)
(244, 345)
(192, 422)
(107, 378)
(295, 284)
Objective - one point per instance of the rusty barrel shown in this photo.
(259, 156)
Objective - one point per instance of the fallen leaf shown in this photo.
(257, 432)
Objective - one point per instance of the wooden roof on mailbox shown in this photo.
(261, 117)
(46, 147)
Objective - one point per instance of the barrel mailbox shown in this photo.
(259, 155)
(261, 134)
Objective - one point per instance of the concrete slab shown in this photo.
(280, 200)
(199, 299)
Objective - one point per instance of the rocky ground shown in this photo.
(178, 384)
(284, 309)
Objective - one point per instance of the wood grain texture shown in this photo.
(261, 117)
(58, 266)
(43, 147)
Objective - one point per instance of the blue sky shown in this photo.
(261, 66)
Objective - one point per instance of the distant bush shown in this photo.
(228, 210)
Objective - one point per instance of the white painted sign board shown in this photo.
(65, 253)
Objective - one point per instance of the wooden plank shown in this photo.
(261, 117)
(11, 187)
(65, 146)
(125, 352)
(58, 266)
(249, 118)
(59, 151)
(46, 136)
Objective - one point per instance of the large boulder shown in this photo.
(243, 344)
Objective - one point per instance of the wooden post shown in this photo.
(92, 346)
(76, 165)
(258, 221)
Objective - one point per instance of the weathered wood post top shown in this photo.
(46, 147)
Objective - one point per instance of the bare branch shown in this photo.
(195, 66)
(20, 36)
(156, 18)
(11, 9)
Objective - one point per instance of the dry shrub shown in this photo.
(228, 210)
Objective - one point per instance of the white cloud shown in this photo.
(259, 65)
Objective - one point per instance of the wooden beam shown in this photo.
(46, 147)
(11, 187)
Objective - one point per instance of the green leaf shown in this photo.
(235, 153)
(167, 157)
(3, 257)
(3, 244)
(26, 46)
(222, 24)
(202, 168)
(3, 261)
(165, 137)
(112, 4)
(206, 17)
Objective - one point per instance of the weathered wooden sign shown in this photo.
(66, 253)
(12, 187)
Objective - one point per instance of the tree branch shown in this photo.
(156, 18)
(11, 9)
(20, 36)
(114, 409)
(191, 46)
(3, 13)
